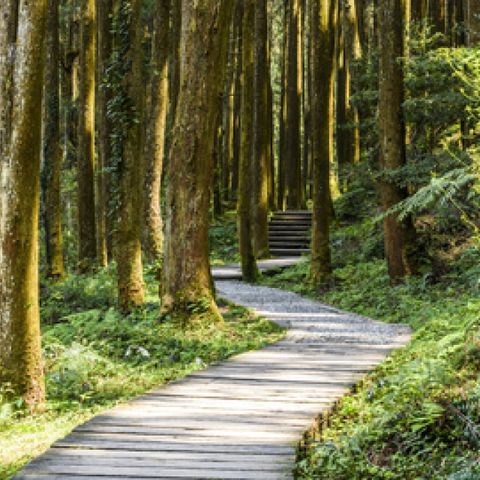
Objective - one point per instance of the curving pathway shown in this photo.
(240, 419)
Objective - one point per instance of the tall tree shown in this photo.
(237, 103)
(283, 120)
(156, 130)
(52, 151)
(104, 129)
(22, 32)
(323, 18)
(261, 129)
(87, 245)
(399, 235)
(294, 86)
(246, 171)
(187, 282)
(128, 173)
(348, 135)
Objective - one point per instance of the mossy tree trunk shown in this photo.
(104, 129)
(187, 287)
(294, 86)
(156, 131)
(261, 131)
(129, 171)
(246, 170)
(323, 18)
(52, 151)
(87, 245)
(399, 235)
(22, 33)
(239, 10)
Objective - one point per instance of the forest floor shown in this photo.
(96, 358)
(417, 416)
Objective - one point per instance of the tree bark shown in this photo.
(104, 129)
(294, 96)
(52, 151)
(323, 20)
(187, 288)
(129, 174)
(399, 235)
(87, 245)
(261, 141)
(22, 33)
(245, 202)
(156, 131)
(283, 120)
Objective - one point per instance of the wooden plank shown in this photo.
(160, 471)
(171, 446)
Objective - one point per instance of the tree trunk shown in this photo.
(187, 282)
(398, 234)
(245, 201)
(129, 171)
(238, 98)
(104, 129)
(323, 20)
(21, 53)
(283, 120)
(87, 245)
(261, 140)
(294, 95)
(52, 151)
(156, 131)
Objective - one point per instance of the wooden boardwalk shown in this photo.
(240, 419)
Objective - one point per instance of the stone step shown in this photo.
(287, 238)
(289, 252)
(288, 226)
(287, 243)
(293, 213)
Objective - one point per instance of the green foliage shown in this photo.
(418, 415)
(223, 240)
(77, 293)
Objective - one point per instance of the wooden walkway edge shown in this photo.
(240, 419)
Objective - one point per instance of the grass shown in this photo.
(95, 358)
(417, 416)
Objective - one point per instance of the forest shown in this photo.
(144, 143)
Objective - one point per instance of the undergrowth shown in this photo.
(95, 357)
(417, 416)
(223, 240)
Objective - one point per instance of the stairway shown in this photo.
(289, 233)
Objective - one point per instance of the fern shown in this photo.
(440, 192)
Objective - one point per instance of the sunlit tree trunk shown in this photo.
(187, 282)
(87, 245)
(399, 235)
(323, 18)
(52, 151)
(21, 52)
(156, 131)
